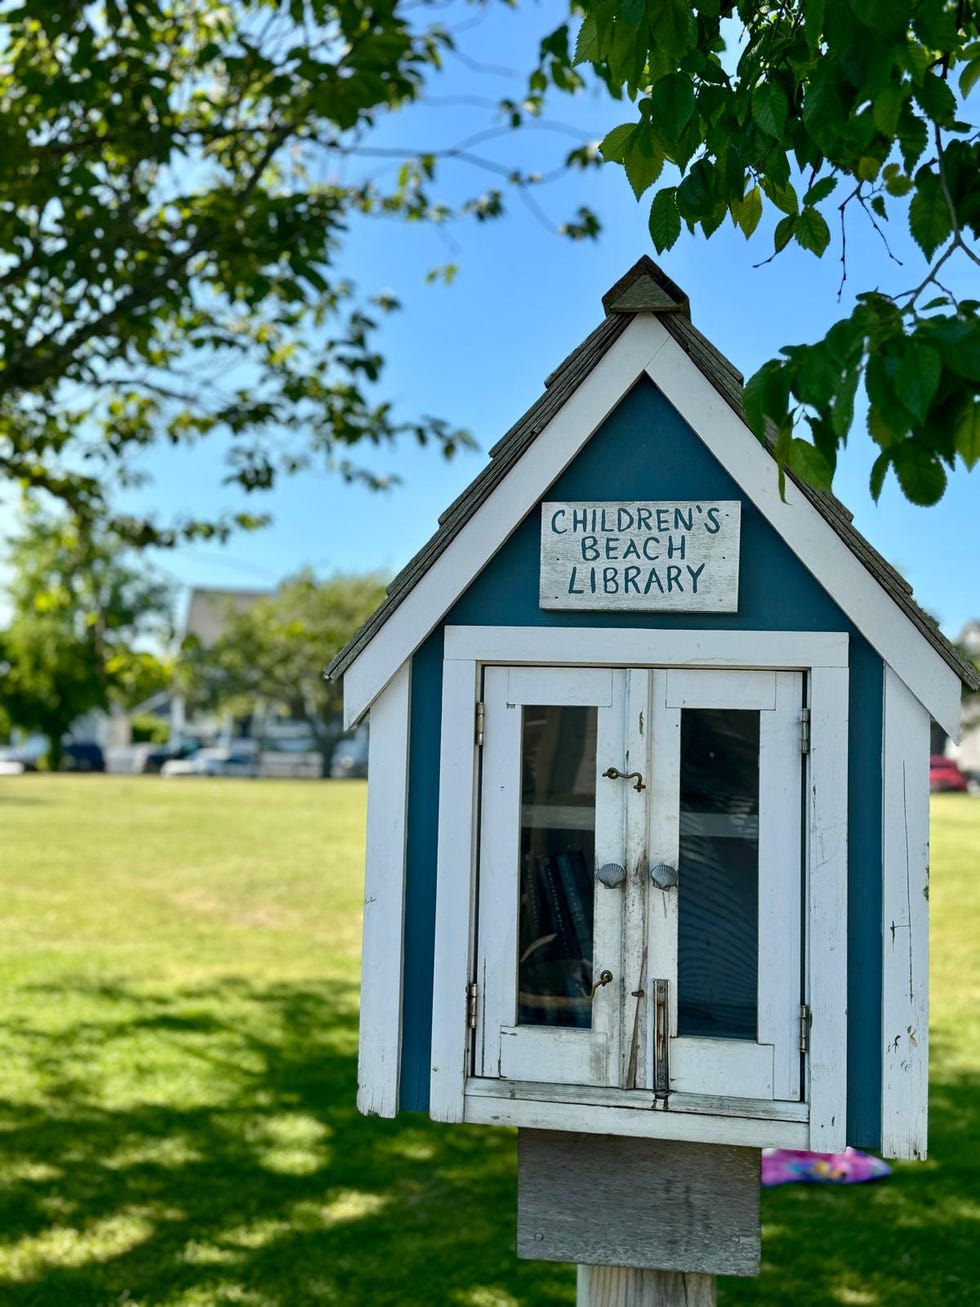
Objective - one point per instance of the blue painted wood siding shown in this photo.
(645, 450)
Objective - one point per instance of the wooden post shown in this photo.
(628, 1286)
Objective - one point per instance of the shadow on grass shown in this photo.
(910, 1239)
(259, 1183)
(202, 1148)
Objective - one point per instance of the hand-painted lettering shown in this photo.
(676, 556)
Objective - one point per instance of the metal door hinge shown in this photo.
(481, 723)
(806, 1021)
(471, 993)
(805, 731)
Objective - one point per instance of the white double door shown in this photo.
(640, 879)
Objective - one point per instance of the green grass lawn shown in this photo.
(178, 974)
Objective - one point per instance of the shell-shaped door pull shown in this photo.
(611, 874)
(663, 875)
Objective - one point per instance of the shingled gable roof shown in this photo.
(645, 289)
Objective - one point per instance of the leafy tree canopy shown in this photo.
(268, 657)
(84, 629)
(176, 179)
(822, 112)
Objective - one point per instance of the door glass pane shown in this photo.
(554, 973)
(718, 944)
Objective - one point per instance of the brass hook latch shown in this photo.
(604, 978)
(614, 774)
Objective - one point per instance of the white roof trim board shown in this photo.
(814, 527)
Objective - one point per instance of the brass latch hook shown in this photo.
(614, 774)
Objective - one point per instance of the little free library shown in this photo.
(647, 848)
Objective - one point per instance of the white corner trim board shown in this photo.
(905, 922)
(827, 908)
(379, 1053)
(455, 886)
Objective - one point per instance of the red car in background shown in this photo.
(945, 775)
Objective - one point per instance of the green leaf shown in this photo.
(959, 343)
(587, 42)
(811, 231)
(769, 109)
(695, 194)
(842, 415)
(820, 190)
(929, 218)
(917, 377)
(675, 26)
(642, 159)
(896, 183)
(782, 195)
(784, 231)
(969, 77)
(913, 136)
(813, 21)
(808, 463)
(766, 394)
(879, 471)
(747, 212)
(886, 106)
(613, 144)
(920, 473)
(867, 168)
(967, 433)
(665, 220)
(672, 104)
(936, 100)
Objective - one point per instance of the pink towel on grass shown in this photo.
(789, 1166)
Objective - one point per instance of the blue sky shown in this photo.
(476, 352)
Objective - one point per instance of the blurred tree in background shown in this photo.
(87, 623)
(176, 182)
(267, 658)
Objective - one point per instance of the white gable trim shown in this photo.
(647, 346)
(491, 525)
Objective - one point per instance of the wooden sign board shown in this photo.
(651, 556)
(661, 1204)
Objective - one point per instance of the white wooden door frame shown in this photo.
(504, 1048)
(769, 1067)
(824, 657)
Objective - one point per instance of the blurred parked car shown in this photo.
(14, 762)
(79, 756)
(945, 775)
(217, 761)
(151, 757)
(349, 759)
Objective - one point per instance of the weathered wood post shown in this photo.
(622, 705)
(622, 1286)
